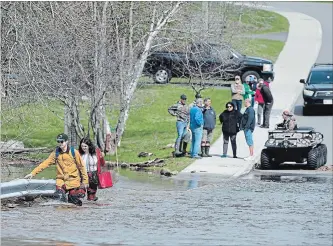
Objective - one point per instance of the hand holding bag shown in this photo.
(104, 178)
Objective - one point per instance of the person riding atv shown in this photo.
(289, 121)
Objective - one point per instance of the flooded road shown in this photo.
(187, 211)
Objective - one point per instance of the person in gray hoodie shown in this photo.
(182, 112)
(209, 117)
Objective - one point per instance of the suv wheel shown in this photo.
(162, 76)
(249, 73)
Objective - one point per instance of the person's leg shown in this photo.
(93, 183)
(249, 141)
(180, 131)
(233, 145)
(209, 140)
(259, 113)
(60, 194)
(269, 110)
(192, 143)
(239, 104)
(197, 141)
(234, 101)
(225, 144)
(203, 142)
(73, 197)
(267, 113)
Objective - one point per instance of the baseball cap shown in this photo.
(62, 137)
(183, 97)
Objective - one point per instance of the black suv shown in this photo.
(318, 87)
(206, 61)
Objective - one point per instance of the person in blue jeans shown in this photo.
(181, 111)
(247, 124)
(196, 126)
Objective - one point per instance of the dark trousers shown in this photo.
(267, 113)
(74, 195)
(237, 104)
(93, 184)
(232, 137)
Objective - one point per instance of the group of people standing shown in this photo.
(197, 120)
(76, 170)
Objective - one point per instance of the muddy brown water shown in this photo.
(191, 210)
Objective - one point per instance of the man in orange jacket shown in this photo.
(71, 171)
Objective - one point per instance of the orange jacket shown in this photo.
(68, 172)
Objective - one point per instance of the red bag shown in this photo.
(104, 178)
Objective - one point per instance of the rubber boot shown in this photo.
(184, 148)
(203, 151)
(207, 151)
(177, 152)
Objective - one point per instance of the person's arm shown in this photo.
(247, 89)
(173, 109)
(292, 123)
(221, 118)
(250, 119)
(82, 168)
(233, 89)
(256, 96)
(199, 118)
(243, 90)
(45, 164)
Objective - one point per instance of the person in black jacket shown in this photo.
(230, 120)
(209, 117)
(268, 100)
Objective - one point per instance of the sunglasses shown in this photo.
(237, 78)
(60, 141)
(229, 106)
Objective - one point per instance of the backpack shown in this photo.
(72, 152)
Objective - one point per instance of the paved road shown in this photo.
(323, 12)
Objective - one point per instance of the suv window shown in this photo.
(321, 77)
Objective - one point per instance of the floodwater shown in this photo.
(191, 210)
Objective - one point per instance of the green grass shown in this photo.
(265, 48)
(151, 128)
(262, 21)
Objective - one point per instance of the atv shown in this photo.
(303, 145)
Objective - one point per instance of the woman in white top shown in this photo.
(92, 159)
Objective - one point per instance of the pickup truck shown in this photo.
(206, 61)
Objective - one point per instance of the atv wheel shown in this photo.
(323, 154)
(313, 159)
(265, 160)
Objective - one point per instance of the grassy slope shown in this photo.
(150, 127)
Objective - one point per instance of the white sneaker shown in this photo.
(249, 158)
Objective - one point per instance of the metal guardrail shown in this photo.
(24, 187)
